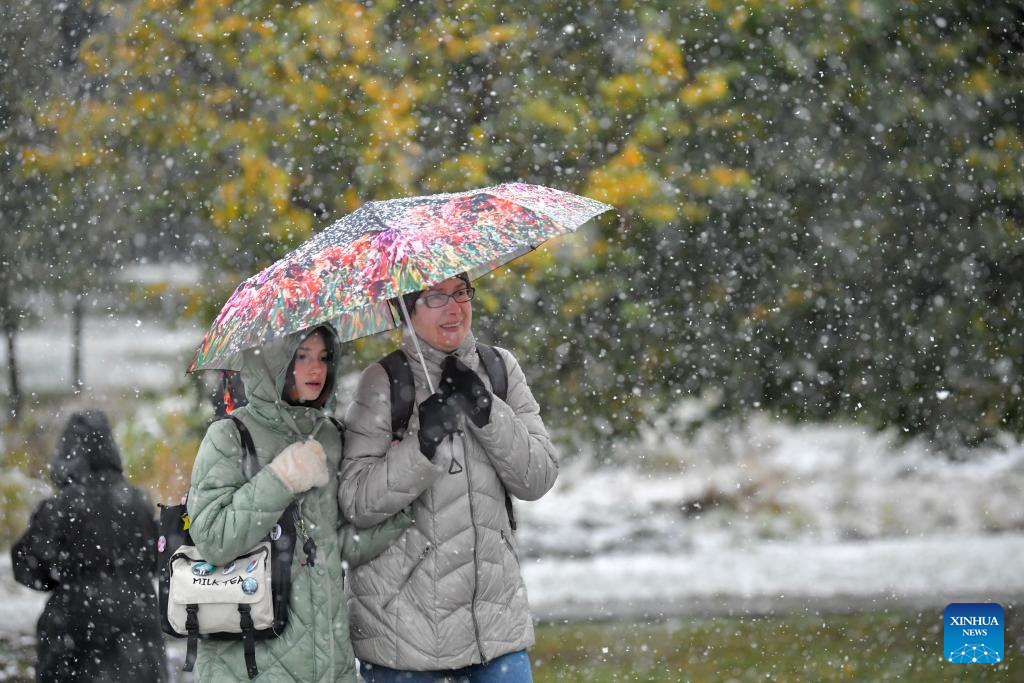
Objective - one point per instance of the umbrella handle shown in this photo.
(416, 342)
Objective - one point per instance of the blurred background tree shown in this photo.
(819, 201)
(51, 209)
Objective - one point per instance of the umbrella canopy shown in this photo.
(346, 274)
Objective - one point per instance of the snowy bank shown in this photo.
(771, 577)
(767, 480)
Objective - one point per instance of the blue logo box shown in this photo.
(974, 632)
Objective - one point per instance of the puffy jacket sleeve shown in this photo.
(362, 545)
(230, 513)
(516, 441)
(379, 478)
(35, 557)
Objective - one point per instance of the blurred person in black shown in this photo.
(93, 546)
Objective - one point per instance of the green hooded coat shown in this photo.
(230, 513)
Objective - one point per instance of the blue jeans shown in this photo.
(511, 668)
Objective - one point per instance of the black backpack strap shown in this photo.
(250, 464)
(337, 424)
(248, 642)
(192, 629)
(341, 430)
(403, 391)
(494, 365)
(497, 372)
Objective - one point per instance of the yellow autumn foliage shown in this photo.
(495, 35)
(626, 181)
(664, 58)
(544, 112)
(231, 25)
(723, 176)
(738, 18)
(34, 160)
(357, 28)
(625, 91)
(578, 297)
(621, 187)
(980, 81)
(457, 173)
(710, 86)
(227, 207)
(147, 102)
(659, 212)
(1008, 139)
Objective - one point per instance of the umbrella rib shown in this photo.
(416, 343)
(401, 302)
(373, 212)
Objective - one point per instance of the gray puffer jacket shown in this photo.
(449, 592)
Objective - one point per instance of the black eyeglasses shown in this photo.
(440, 299)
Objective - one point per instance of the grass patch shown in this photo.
(17, 659)
(875, 646)
(864, 646)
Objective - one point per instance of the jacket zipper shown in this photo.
(508, 544)
(408, 577)
(300, 523)
(476, 545)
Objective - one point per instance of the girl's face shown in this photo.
(310, 369)
(444, 327)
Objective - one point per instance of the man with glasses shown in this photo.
(447, 600)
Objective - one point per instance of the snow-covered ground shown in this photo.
(121, 354)
(771, 516)
(767, 480)
(773, 577)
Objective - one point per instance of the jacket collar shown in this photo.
(434, 357)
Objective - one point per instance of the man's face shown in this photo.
(445, 327)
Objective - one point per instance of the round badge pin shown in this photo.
(251, 567)
(275, 533)
(250, 585)
(202, 568)
(229, 568)
(161, 544)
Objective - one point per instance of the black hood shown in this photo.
(86, 446)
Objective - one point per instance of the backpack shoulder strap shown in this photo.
(494, 365)
(341, 430)
(250, 465)
(497, 372)
(403, 391)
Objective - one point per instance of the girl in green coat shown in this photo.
(290, 387)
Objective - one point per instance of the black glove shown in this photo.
(467, 390)
(438, 419)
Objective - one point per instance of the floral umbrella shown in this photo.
(346, 273)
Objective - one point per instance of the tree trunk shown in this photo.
(8, 320)
(13, 385)
(76, 345)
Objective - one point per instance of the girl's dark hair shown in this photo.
(289, 379)
(411, 298)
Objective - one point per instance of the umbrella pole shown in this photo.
(416, 342)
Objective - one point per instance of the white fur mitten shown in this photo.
(301, 466)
